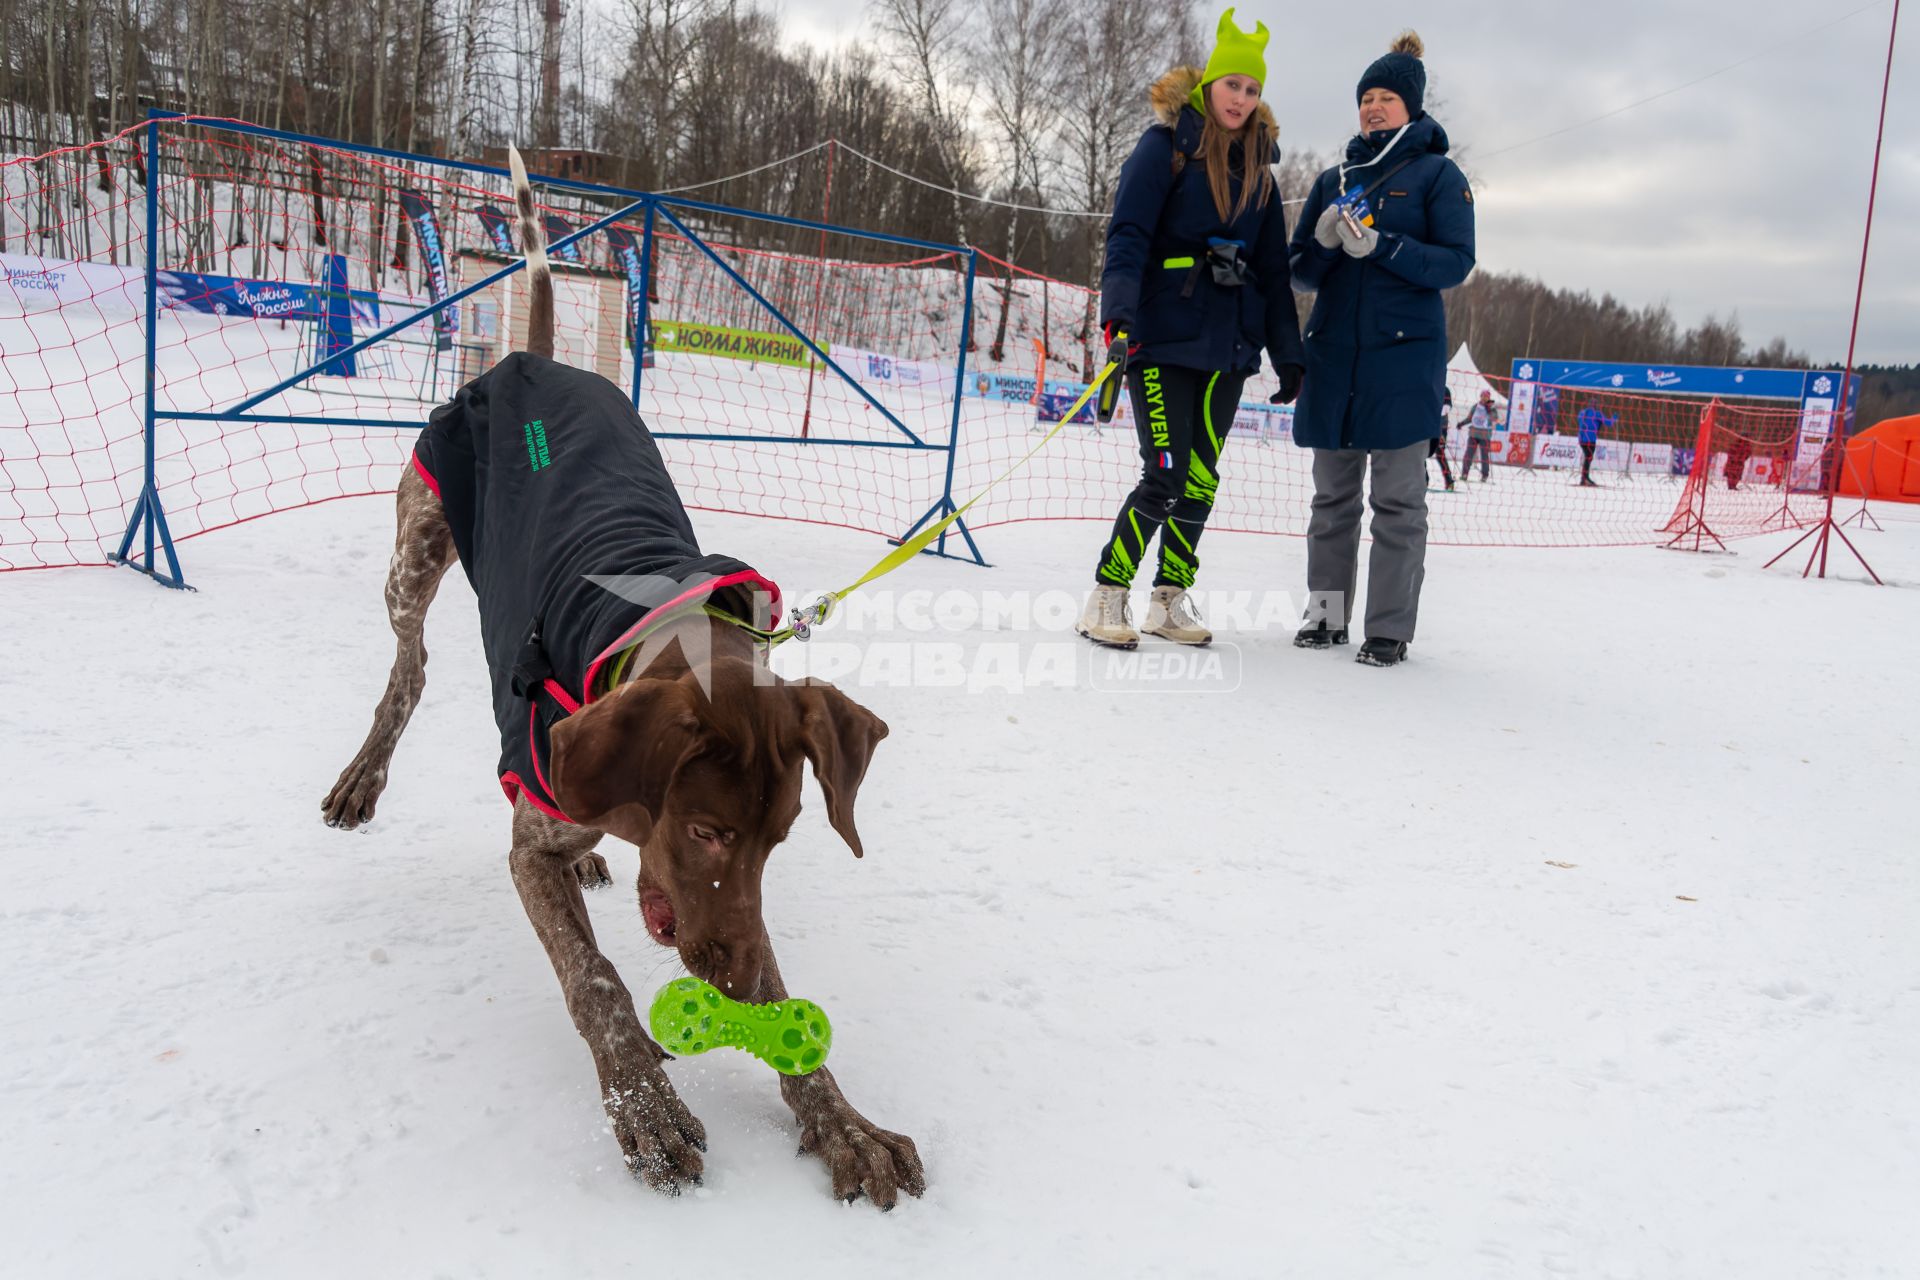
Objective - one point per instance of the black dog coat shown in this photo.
(548, 475)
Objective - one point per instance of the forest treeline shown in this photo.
(1032, 104)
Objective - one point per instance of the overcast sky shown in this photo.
(1745, 193)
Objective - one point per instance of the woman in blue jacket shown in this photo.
(1195, 287)
(1379, 238)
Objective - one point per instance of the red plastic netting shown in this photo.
(274, 255)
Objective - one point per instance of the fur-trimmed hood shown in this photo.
(1173, 92)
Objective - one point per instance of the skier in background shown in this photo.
(1196, 285)
(1479, 422)
(1592, 423)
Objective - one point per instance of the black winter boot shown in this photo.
(1382, 653)
(1319, 636)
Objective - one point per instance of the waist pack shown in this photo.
(1224, 259)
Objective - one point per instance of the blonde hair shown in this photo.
(1257, 139)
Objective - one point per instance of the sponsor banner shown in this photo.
(50, 282)
(1757, 471)
(559, 229)
(1608, 455)
(1499, 444)
(418, 211)
(1256, 419)
(258, 299)
(875, 369)
(1761, 470)
(1516, 449)
(1564, 451)
(1648, 459)
(1004, 388)
(626, 252)
(1816, 427)
(1546, 411)
(498, 224)
(999, 387)
(1765, 384)
(35, 283)
(1013, 388)
(1822, 396)
(1054, 404)
(731, 344)
(1556, 451)
(1261, 421)
(1520, 409)
(1808, 388)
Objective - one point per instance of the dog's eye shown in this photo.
(704, 833)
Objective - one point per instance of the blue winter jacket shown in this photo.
(1592, 421)
(1376, 341)
(1156, 284)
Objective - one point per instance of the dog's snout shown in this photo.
(733, 967)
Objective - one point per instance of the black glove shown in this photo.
(1118, 351)
(1290, 376)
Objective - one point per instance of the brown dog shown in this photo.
(696, 757)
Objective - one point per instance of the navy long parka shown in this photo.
(1376, 351)
(1177, 314)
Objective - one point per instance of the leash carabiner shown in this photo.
(801, 622)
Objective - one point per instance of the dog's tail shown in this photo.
(533, 240)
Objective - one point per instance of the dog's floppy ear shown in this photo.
(613, 760)
(838, 735)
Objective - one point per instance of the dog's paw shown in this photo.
(862, 1157)
(660, 1139)
(592, 872)
(350, 803)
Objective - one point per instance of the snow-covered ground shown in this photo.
(1581, 945)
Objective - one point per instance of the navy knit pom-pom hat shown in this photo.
(1400, 71)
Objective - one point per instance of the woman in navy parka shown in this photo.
(1376, 350)
(1195, 288)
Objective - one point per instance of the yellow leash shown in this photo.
(801, 622)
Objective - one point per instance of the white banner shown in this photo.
(1520, 411)
(1757, 471)
(1645, 459)
(875, 369)
(1556, 451)
(1816, 425)
(1608, 455)
(43, 284)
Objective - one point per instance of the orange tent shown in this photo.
(1883, 462)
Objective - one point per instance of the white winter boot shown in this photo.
(1169, 618)
(1105, 621)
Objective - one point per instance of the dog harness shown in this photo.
(574, 539)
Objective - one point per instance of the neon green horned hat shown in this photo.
(1235, 53)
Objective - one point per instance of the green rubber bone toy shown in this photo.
(691, 1016)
